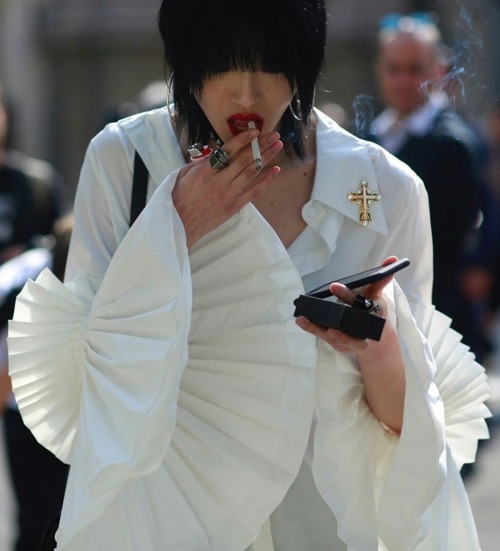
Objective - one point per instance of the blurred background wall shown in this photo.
(66, 63)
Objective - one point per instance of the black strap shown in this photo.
(138, 202)
(139, 188)
(48, 542)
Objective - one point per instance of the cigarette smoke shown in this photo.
(364, 112)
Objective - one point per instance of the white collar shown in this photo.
(418, 122)
(343, 162)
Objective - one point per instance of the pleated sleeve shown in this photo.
(386, 491)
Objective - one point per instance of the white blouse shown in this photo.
(182, 393)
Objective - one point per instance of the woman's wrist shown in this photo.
(382, 368)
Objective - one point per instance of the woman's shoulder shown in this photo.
(115, 137)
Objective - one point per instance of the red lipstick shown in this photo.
(239, 122)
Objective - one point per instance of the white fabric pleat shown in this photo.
(180, 452)
(407, 473)
(461, 381)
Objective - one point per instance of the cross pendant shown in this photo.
(364, 198)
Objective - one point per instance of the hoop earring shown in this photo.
(297, 108)
(170, 88)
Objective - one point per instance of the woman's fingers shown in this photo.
(252, 190)
(251, 178)
(376, 289)
(342, 342)
(372, 293)
(236, 144)
(343, 293)
(373, 290)
(242, 169)
(240, 152)
(206, 197)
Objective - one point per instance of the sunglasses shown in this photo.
(392, 20)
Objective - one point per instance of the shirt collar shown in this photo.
(153, 137)
(417, 122)
(343, 162)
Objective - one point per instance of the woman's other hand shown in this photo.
(380, 362)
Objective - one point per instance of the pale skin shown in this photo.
(5, 387)
(205, 198)
(406, 68)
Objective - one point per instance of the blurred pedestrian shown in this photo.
(420, 128)
(38, 477)
(32, 194)
(32, 198)
(492, 133)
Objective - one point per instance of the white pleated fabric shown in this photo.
(182, 393)
(418, 501)
(461, 381)
(180, 453)
(463, 386)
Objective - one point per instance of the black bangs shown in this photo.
(239, 38)
(204, 38)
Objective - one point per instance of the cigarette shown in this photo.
(255, 148)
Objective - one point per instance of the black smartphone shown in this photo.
(362, 278)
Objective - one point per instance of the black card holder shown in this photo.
(340, 316)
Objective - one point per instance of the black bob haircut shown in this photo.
(204, 38)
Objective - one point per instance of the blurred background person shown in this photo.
(38, 477)
(152, 96)
(32, 194)
(492, 132)
(32, 198)
(419, 127)
(477, 278)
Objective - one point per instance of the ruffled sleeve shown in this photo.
(383, 488)
(95, 376)
(182, 392)
(461, 381)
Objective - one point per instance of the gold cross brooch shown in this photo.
(364, 198)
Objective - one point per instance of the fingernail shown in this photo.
(272, 137)
(302, 322)
(276, 146)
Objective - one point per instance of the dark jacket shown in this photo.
(446, 159)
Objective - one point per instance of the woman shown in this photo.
(194, 412)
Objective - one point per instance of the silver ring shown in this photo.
(366, 304)
(219, 159)
(195, 151)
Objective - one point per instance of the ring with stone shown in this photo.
(197, 150)
(366, 304)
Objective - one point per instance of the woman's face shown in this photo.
(234, 98)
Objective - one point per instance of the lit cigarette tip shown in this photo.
(255, 148)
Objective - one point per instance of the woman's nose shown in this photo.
(246, 90)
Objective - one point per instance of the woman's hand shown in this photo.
(380, 362)
(205, 197)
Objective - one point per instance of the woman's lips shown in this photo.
(239, 122)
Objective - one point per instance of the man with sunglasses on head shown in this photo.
(420, 127)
